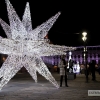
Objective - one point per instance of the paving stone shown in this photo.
(24, 88)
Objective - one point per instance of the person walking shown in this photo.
(92, 67)
(63, 70)
(99, 67)
(71, 66)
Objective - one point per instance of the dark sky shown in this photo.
(75, 17)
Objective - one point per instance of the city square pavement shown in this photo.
(23, 87)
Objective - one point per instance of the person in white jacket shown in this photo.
(63, 70)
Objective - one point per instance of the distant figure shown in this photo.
(92, 67)
(74, 67)
(63, 70)
(99, 67)
(71, 66)
(89, 68)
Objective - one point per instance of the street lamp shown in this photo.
(84, 38)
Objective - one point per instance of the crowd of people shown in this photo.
(73, 66)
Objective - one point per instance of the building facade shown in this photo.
(93, 53)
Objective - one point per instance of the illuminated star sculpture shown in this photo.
(25, 46)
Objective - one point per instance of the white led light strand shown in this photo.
(25, 46)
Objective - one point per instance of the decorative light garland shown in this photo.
(25, 46)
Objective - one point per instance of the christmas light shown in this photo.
(25, 46)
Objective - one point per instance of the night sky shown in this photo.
(76, 17)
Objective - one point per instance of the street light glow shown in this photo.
(84, 34)
(84, 38)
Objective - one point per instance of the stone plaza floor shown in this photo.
(23, 87)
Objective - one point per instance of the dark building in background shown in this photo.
(93, 53)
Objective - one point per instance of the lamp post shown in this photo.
(84, 38)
